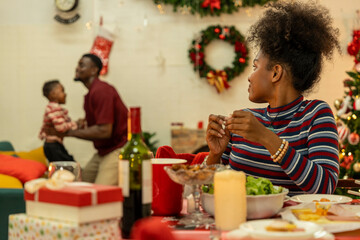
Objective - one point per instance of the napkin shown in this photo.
(168, 152)
(151, 229)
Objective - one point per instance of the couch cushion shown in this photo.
(36, 154)
(7, 181)
(23, 169)
(6, 146)
(11, 153)
(11, 201)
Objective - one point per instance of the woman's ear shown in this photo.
(277, 73)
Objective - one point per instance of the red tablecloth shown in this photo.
(204, 234)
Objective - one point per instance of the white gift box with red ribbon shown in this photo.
(78, 202)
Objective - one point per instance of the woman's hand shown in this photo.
(246, 125)
(217, 138)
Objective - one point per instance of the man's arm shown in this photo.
(94, 132)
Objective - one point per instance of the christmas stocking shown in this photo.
(102, 46)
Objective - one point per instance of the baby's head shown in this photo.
(54, 91)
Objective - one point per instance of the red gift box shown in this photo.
(77, 195)
(79, 202)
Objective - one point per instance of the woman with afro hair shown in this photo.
(293, 142)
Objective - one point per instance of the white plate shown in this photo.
(308, 198)
(239, 235)
(257, 230)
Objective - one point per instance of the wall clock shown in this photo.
(66, 5)
(66, 11)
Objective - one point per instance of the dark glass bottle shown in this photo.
(135, 176)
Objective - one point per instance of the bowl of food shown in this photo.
(193, 174)
(263, 199)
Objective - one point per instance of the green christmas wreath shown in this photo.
(211, 7)
(219, 78)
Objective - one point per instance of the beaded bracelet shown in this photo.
(279, 151)
(282, 153)
(204, 163)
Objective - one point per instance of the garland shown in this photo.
(211, 7)
(219, 78)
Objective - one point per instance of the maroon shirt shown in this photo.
(103, 105)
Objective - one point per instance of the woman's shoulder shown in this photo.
(315, 103)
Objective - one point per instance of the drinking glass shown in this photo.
(195, 175)
(73, 167)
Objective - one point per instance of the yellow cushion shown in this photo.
(11, 153)
(7, 181)
(35, 154)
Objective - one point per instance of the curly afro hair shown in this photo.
(298, 36)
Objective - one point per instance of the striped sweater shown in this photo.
(57, 117)
(311, 164)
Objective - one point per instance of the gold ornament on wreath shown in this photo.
(219, 78)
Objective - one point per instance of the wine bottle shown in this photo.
(135, 176)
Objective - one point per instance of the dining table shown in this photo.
(210, 232)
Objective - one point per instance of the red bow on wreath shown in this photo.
(197, 58)
(213, 4)
(218, 79)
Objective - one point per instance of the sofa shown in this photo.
(16, 168)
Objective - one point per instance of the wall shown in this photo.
(148, 64)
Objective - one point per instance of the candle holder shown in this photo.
(194, 175)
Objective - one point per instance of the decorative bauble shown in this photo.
(356, 167)
(343, 132)
(337, 103)
(341, 157)
(356, 104)
(352, 48)
(345, 106)
(357, 67)
(353, 138)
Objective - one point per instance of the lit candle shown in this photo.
(230, 199)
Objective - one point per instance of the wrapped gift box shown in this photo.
(77, 202)
(22, 226)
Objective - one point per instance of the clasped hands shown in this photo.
(51, 131)
(240, 122)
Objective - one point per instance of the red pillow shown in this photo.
(23, 169)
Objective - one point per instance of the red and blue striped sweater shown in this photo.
(311, 164)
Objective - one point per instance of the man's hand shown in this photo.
(81, 123)
(51, 131)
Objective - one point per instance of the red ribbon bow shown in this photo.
(213, 4)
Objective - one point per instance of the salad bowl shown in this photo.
(263, 199)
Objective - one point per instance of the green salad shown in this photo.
(254, 186)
